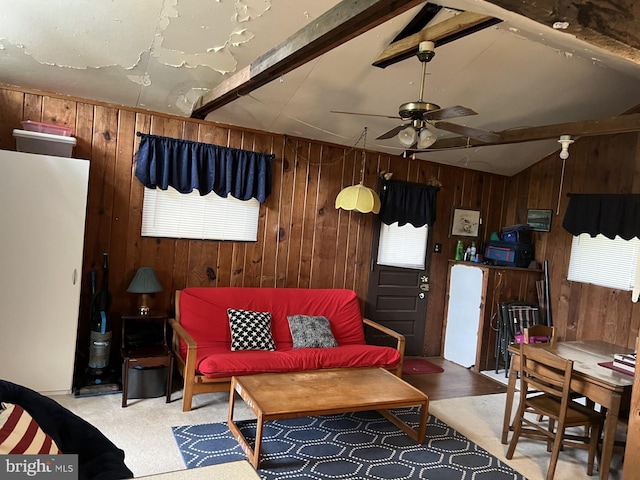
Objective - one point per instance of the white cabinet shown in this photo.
(463, 314)
(42, 216)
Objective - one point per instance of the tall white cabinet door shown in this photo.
(42, 215)
(463, 315)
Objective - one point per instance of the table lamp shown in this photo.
(145, 282)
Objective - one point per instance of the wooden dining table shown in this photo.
(604, 386)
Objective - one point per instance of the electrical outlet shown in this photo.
(437, 248)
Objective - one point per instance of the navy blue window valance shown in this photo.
(607, 214)
(406, 202)
(185, 165)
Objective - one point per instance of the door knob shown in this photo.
(424, 287)
(421, 295)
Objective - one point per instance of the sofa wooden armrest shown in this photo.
(400, 341)
(186, 366)
(193, 382)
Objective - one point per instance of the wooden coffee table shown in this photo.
(273, 396)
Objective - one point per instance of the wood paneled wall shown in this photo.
(602, 164)
(303, 241)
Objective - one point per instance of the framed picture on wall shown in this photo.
(465, 222)
(539, 220)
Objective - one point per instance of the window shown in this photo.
(403, 246)
(605, 262)
(168, 213)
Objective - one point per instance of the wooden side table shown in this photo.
(144, 344)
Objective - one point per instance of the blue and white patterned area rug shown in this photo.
(361, 445)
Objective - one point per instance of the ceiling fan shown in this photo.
(426, 118)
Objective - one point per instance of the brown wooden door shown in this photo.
(397, 298)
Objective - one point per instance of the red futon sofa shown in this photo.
(202, 340)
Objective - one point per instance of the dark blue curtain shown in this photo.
(406, 202)
(609, 214)
(185, 165)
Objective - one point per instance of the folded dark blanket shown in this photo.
(98, 457)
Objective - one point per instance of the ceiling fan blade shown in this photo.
(367, 114)
(449, 112)
(476, 134)
(391, 133)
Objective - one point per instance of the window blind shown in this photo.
(403, 246)
(169, 213)
(603, 261)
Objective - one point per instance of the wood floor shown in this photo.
(455, 381)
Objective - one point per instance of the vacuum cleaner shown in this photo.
(99, 378)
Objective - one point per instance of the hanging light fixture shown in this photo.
(565, 141)
(358, 197)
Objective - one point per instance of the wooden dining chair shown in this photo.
(540, 334)
(546, 334)
(545, 390)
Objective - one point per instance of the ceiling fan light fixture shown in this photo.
(427, 136)
(407, 136)
(359, 198)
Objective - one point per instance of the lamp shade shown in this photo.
(360, 198)
(145, 281)
(427, 136)
(407, 136)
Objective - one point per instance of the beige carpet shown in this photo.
(480, 420)
(143, 430)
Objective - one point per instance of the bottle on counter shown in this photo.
(467, 254)
(459, 251)
(472, 253)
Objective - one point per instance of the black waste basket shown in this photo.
(149, 382)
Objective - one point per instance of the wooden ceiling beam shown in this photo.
(612, 27)
(399, 49)
(344, 21)
(585, 128)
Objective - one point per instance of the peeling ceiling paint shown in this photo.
(119, 33)
(191, 33)
(251, 9)
(68, 34)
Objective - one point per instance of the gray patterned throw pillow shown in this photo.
(311, 332)
(250, 330)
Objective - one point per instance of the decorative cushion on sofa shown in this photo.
(250, 330)
(20, 434)
(309, 331)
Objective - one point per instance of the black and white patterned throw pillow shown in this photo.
(309, 331)
(250, 330)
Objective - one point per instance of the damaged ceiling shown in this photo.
(164, 55)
